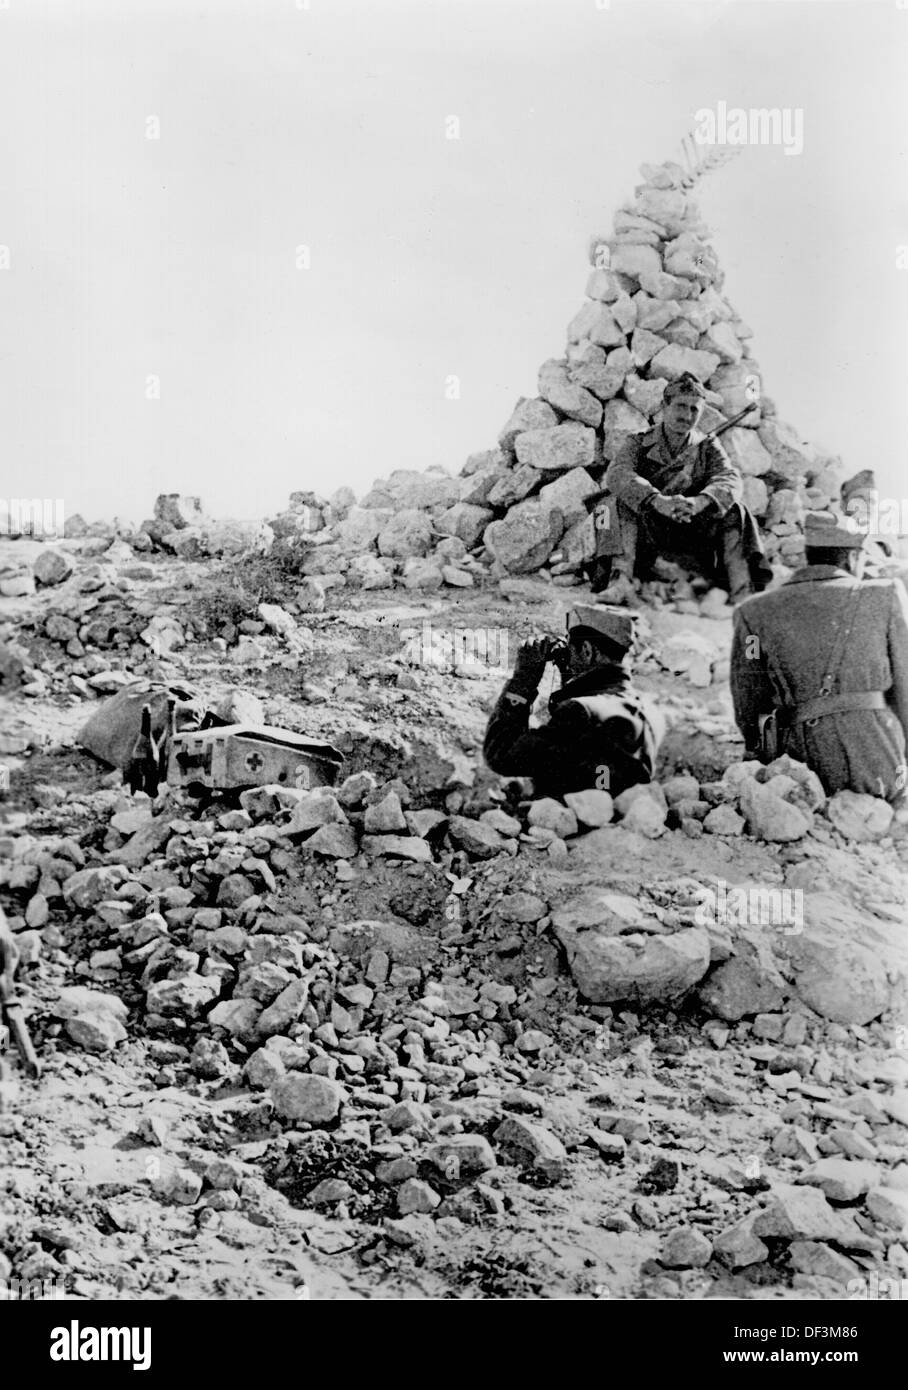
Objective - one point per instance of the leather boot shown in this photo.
(621, 590)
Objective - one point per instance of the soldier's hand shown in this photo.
(532, 656)
(675, 508)
(694, 506)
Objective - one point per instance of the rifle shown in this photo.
(11, 1011)
(729, 424)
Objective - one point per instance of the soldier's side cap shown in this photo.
(685, 385)
(616, 624)
(825, 532)
(862, 482)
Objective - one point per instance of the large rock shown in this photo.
(556, 387)
(746, 984)
(370, 572)
(475, 837)
(604, 379)
(385, 817)
(685, 1248)
(333, 841)
(408, 533)
(595, 323)
(735, 383)
(422, 572)
(409, 490)
(674, 360)
(87, 887)
(479, 462)
(361, 526)
(841, 1179)
(770, 816)
(52, 567)
(173, 512)
(527, 415)
(889, 1207)
(592, 808)
(619, 421)
(187, 994)
(738, 1247)
(237, 537)
(801, 1213)
(284, 1011)
(95, 1031)
(645, 396)
(516, 484)
(532, 1144)
(858, 816)
(567, 493)
(645, 344)
(550, 814)
(746, 451)
(525, 538)
(475, 487)
(848, 966)
(722, 339)
(791, 456)
(77, 1000)
(603, 285)
(801, 786)
(578, 544)
(315, 808)
(301, 1096)
(645, 817)
(571, 445)
(654, 313)
(613, 957)
(466, 521)
(238, 1017)
(662, 285)
(635, 261)
(691, 258)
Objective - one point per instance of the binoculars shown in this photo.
(557, 652)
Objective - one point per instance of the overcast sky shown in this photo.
(284, 126)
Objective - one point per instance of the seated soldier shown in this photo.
(600, 735)
(676, 496)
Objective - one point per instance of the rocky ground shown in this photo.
(422, 1036)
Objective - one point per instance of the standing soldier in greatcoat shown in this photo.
(819, 667)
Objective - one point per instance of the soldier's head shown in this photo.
(682, 404)
(835, 541)
(598, 636)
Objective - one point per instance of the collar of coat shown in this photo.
(599, 681)
(656, 444)
(812, 573)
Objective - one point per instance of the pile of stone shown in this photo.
(400, 533)
(654, 309)
(216, 877)
(404, 1060)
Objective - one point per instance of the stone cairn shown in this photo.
(654, 308)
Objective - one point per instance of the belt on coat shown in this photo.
(832, 704)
